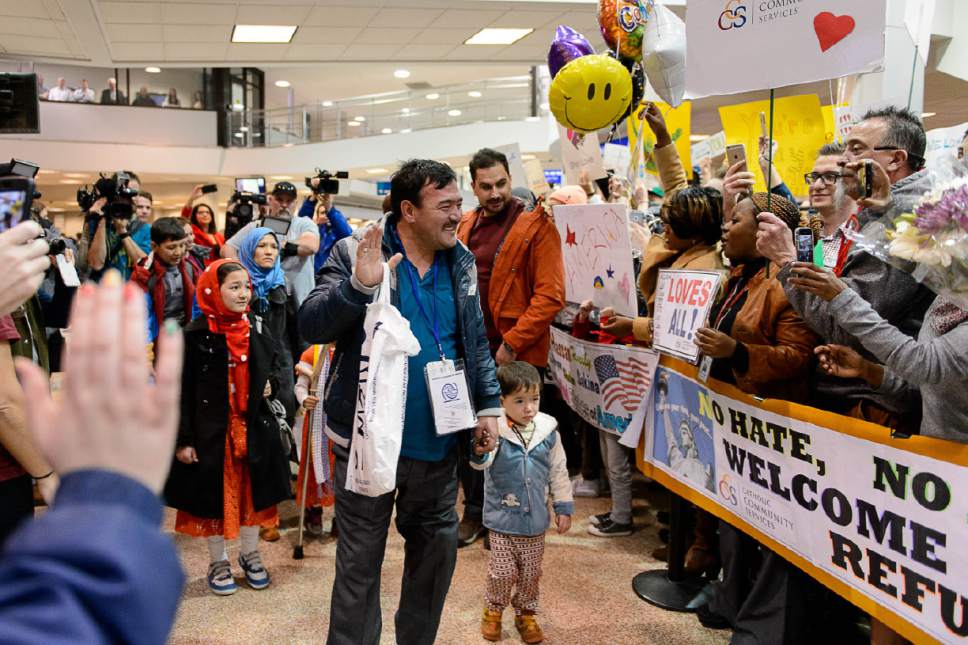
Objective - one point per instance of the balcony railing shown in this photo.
(497, 99)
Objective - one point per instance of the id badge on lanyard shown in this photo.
(450, 399)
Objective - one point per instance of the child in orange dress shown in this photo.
(229, 470)
(315, 445)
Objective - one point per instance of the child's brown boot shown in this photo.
(491, 625)
(528, 628)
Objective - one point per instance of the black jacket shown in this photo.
(107, 100)
(334, 312)
(278, 322)
(197, 488)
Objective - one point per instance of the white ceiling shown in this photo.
(112, 33)
(335, 81)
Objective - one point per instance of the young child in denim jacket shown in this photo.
(527, 462)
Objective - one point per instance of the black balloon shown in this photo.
(638, 82)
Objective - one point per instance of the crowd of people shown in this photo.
(271, 316)
(111, 95)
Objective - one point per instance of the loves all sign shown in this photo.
(743, 45)
(682, 302)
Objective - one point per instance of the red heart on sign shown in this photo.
(831, 29)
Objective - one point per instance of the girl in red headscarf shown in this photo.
(229, 470)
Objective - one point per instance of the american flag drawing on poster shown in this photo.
(625, 382)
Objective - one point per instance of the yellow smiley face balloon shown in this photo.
(590, 93)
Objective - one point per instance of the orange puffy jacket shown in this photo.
(527, 288)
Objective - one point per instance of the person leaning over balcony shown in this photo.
(112, 95)
(84, 94)
(60, 92)
(172, 99)
(521, 276)
(143, 99)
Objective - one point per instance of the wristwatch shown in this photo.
(509, 349)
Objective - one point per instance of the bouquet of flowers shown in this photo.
(933, 236)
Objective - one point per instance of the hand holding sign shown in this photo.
(714, 343)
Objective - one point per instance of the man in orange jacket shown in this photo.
(521, 279)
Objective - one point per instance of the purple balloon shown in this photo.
(567, 45)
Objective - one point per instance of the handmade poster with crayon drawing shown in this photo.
(597, 254)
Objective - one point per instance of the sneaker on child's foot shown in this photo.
(601, 518)
(255, 574)
(220, 579)
(528, 628)
(610, 529)
(587, 487)
(314, 520)
(491, 625)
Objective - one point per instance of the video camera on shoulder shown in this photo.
(328, 181)
(17, 192)
(243, 209)
(116, 191)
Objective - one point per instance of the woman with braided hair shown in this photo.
(759, 343)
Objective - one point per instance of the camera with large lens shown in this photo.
(117, 193)
(243, 211)
(328, 181)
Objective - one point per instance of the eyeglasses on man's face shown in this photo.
(829, 178)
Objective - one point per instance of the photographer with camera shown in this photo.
(332, 224)
(299, 238)
(24, 257)
(117, 240)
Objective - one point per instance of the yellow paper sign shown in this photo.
(830, 121)
(798, 128)
(677, 120)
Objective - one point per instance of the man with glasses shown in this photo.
(833, 204)
(893, 138)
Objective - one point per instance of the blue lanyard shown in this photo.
(414, 280)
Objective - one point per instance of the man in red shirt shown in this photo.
(520, 275)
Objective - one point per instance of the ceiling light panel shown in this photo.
(263, 33)
(498, 36)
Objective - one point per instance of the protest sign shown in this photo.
(678, 121)
(878, 520)
(779, 42)
(597, 253)
(618, 158)
(607, 385)
(943, 142)
(519, 176)
(580, 152)
(712, 148)
(682, 302)
(798, 128)
(918, 16)
(537, 181)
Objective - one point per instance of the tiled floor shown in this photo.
(587, 597)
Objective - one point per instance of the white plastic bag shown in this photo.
(381, 397)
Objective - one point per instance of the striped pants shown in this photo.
(515, 561)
